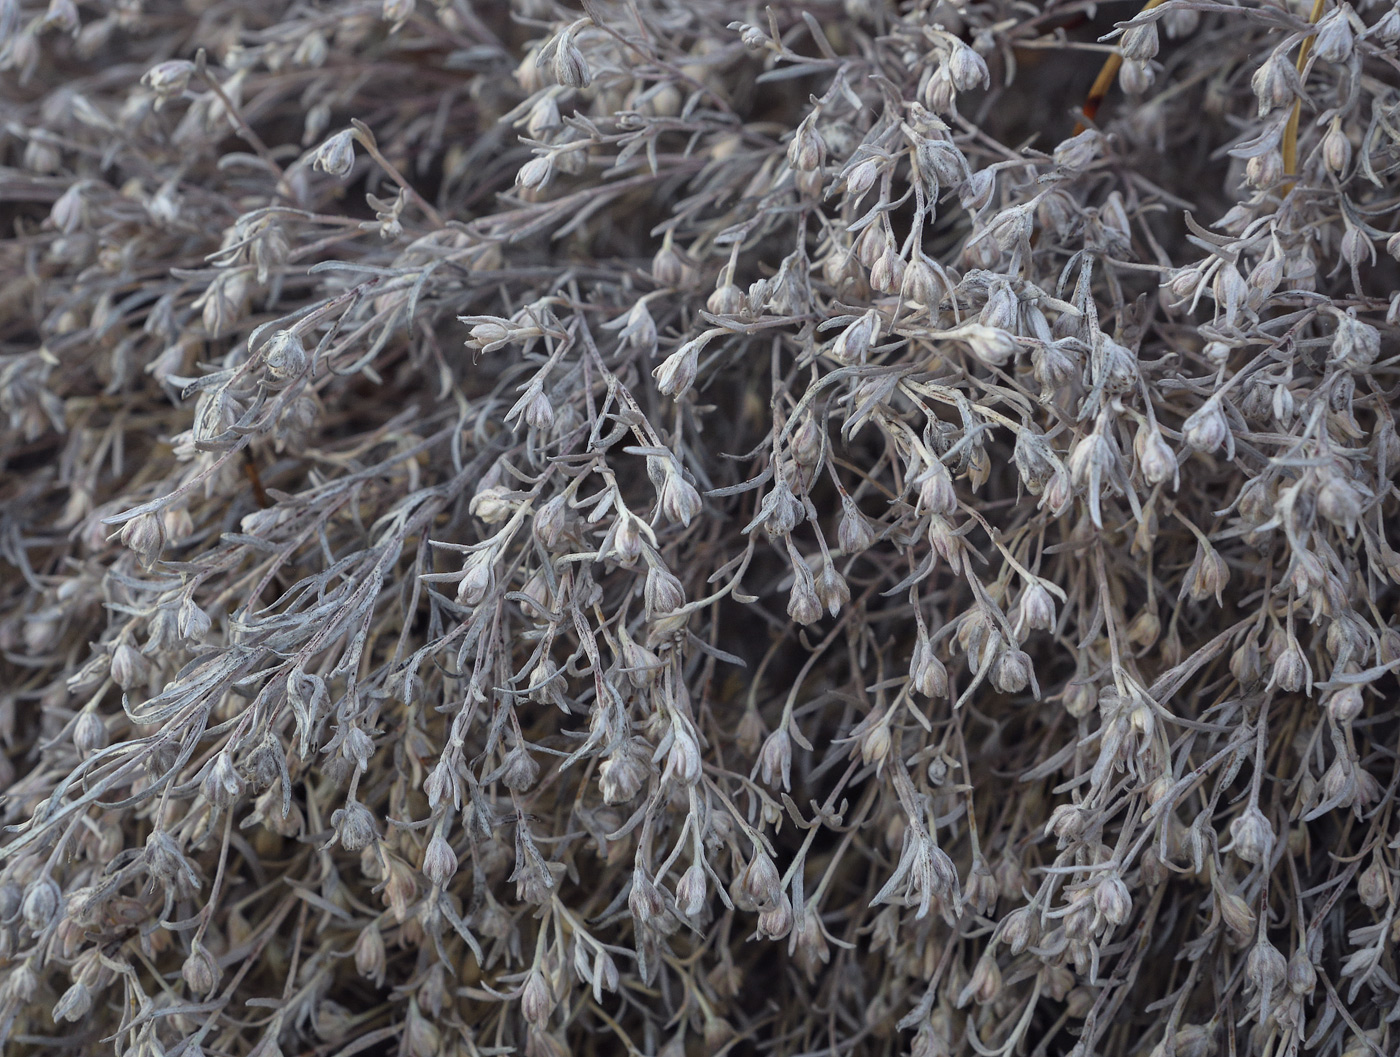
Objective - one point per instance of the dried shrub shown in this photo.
(888, 571)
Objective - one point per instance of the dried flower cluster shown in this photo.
(617, 530)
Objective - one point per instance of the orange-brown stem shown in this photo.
(1290, 131)
(1098, 91)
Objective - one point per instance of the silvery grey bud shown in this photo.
(521, 770)
(476, 579)
(643, 666)
(727, 300)
(1078, 152)
(1207, 576)
(927, 673)
(644, 900)
(1036, 610)
(1155, 457)
(936, 494)
(683, 761)
(775, 759)
(222, 785)
(1336, 148)
(804, 606)
(862, 178)
(1139, 42)
(940, 93)
(70, 210)
(807, 151)
(192, 622)
(145, 536)
(852, 344)
(41, 904)
(1012, 672)
(336, 156)
(1335, 40)
(1276, 84)
(1266, 968)
(536, 999)
(1387, 30)
(680, 501)
(887, 273)
(285, 355)
(535, 174)
(621, 776)
(370, 953)
(967, 69)
(1355, 345)
(832, 590)
(569, 67)
(1370, 885)
(128, 667)
(940, 163)
(1340, 502)
(775, 921)
(1290, 670)
(1002, 307)
(976, 191)
(354, 825)
(89, 733)
(169, 78)
(1112, 900)
(74, 1004)
(690, 892)
(1253, 836)
(853, 533)
(991, 345)
(200, 971)
(667, 268)
(676, 373)
(760, 880)
(551, 520)
(1302, 974)
(439, 861)
(1135, 77)
(1207, 428)
(753, 38)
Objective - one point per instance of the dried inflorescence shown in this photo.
(888, 572)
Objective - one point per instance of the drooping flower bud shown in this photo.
(336, 156)
(1253, 836)
(1207, 428)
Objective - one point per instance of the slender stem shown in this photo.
(244, 129)
(371, 146)
(1290, 131)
